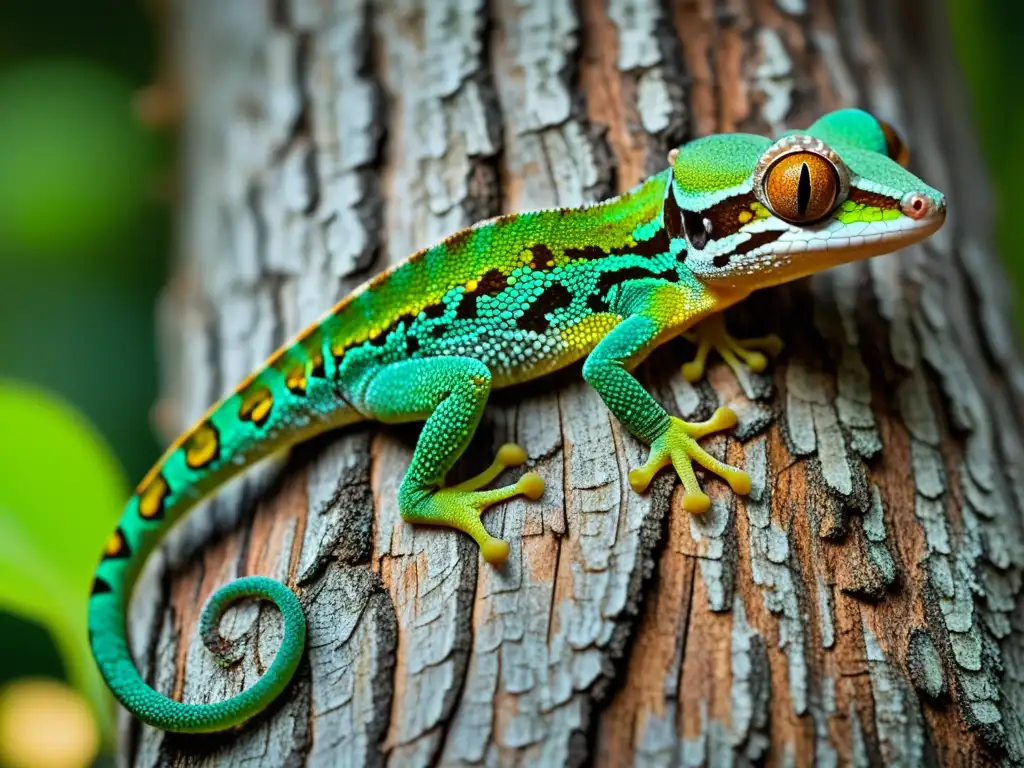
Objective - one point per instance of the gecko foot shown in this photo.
(460, 506)
(678, 446)
(712, 334)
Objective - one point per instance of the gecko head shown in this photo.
(755, 213)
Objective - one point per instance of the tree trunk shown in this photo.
(860, 606)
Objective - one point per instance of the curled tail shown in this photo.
(289, 400)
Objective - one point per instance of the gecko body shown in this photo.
(506, 301)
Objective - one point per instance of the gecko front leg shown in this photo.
(672, 440)
(450, 394)
(712, 334)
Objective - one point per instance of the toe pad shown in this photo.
(495, 551)
(531, 485)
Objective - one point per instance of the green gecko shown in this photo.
(505, 301)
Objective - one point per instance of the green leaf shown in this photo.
(61, 491)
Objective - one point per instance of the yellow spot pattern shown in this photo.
(202, 446)
(316, 363)
(152, 497)
(585, 335)
(295, 380)
(256, 406)
(115, 545)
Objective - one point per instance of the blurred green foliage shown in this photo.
(63, 189)
(51, 532)
(83, 253)
(986, 36)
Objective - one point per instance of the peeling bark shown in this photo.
(862, 606)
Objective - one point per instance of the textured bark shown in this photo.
(862, 606)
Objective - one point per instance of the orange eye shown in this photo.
(895, 147)
(801, 187)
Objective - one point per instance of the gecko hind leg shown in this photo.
(450, 394)
(712, 334)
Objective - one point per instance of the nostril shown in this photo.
(915, 205)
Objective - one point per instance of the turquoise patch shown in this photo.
(850, 128)
(714, 163)
(871, 166)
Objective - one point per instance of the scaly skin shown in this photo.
(506, 301)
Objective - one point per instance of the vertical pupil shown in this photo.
(803, 190)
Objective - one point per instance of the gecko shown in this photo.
(505, 301)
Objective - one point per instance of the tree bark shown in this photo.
(862, 606)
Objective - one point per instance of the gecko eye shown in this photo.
(801, 187)
(895, 147)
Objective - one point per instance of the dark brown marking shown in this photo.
(438, 331)
(337, 353)
(669, 275)
(756, 240)
(541, 253)
(100, 587)
(619, 276)
(256, 406)
(117, 546)
(672, 216)
(152, 498)
(412, 344)
(434, 310)
(696, 233)
(721, 259)
(317, 365)
(466, 309)
(587, 253)
(725, 216)
(597, 303)
(381, 338)
(492, 283)
(555, 296)
(873, 200)
(458, 240)
(656, 245)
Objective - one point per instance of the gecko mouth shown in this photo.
(861, 239)
(791, 252)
